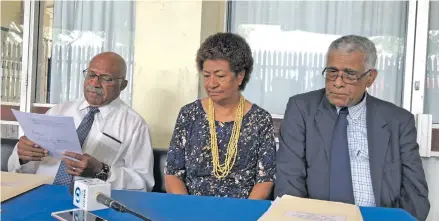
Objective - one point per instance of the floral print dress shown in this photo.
(190, 156)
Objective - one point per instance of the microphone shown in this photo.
(111, 203)
(84, 192)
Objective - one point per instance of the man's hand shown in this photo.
(30, 151)
(86, 166)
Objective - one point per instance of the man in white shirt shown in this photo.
(114, 138)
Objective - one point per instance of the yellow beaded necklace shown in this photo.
(222, 170)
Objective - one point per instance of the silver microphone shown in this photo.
(107, 201)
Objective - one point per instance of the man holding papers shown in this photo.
(114, 138)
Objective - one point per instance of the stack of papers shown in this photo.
(290, 208)
(13, 184)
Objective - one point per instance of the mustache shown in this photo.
(96, 90)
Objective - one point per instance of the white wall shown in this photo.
(168, 34)
(11, 11)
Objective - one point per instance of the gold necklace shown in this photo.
(222, 170)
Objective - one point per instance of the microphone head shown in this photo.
(102, 198)
(110, 203)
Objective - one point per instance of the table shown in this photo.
(38, 204)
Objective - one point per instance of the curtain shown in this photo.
(289, 40)
(82, 29)
(431, 104)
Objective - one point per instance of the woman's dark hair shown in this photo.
(230, 47)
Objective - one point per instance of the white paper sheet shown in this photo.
(293, 208)
(313, 216)
(56, 134)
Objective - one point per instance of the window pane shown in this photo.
(289, 40)
(9, 131)
(12, 50)
(74, 32)
(431, 100)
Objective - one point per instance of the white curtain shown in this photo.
(431, 106)
(82, 29)
(289, 40)
(431, 101)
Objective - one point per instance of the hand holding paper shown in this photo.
(56, 134)
(85, 166)
(30, 151)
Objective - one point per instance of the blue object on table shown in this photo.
(38, 204)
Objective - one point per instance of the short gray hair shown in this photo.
(351, 43)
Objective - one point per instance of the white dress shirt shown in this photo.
(131, 160)
(359, 154)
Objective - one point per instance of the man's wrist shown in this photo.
(99, 168)
(103, 174)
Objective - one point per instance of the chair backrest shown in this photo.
(7, 146)
(160, 157)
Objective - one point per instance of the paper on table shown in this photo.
(300, 209)
(3, 184)
(56, 134)
(13, 184)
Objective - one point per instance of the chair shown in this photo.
(160, 157)
(7, 146)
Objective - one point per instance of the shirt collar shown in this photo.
(356, 110)
(104, 110)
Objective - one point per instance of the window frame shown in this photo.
(415, 63)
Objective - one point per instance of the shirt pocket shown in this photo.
(362, 154)
(106, 148)
(360, 149)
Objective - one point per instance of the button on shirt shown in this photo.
(359, 154)
(119, 137)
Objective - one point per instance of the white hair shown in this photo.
(351, 43)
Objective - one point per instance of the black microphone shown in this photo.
(111, 203)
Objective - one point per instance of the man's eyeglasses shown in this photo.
(348, 76)
(104, 79)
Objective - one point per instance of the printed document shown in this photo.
(56, 134)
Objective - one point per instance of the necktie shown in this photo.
(340, 181)
(62, 177)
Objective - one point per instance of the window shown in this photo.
(431, 100)
(289, 40)
(426, 67)
(12, 23)
(431, 105)
(74, 32)
(47, 44)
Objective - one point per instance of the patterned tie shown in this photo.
(340, 181)
(62, 177)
